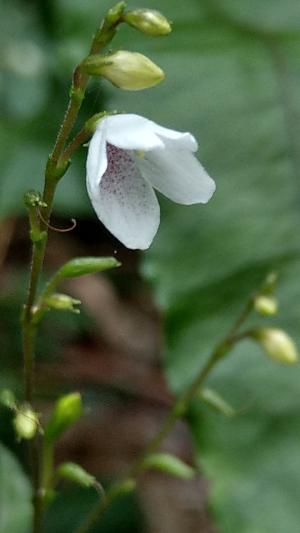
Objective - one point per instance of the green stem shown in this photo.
(102, 38)
(29, 329)
(54, 171)
(76, 97)
(178, 410)
(81, 137)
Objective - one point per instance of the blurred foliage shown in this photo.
(69, 508)
(15, 495)
(233, 80)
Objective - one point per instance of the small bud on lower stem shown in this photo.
(127, 70)
(26, 423)
(277, 344)
(7, 398)
(266, 305)
(62, 302)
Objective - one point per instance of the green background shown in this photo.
(233, 77)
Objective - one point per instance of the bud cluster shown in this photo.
(126, 70)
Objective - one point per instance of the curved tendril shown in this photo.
(59, 230)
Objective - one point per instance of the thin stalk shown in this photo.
(54, 172)
(177, 411)
(81, 137)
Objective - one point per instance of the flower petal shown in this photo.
(125, 202)
(177, 174)
(185, 140)
(132, 132)
(96, 163)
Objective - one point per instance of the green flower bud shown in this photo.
(26, 423)
(114, 13)
(270, 282)
(86, 265)
(76, 474)
(148, 21)
(62, 302)
(277, 344)
(7, 398)
(124, 487)
(266, 305)
(165, 462)
(216, 401)
(66, 411)
(127, 70)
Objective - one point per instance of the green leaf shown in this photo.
(233, 81)
(15, 495)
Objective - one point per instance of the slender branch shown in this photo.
(178, 410)
(79, 139)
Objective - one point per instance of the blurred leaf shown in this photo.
(235, 85)
(15, 495)
(24, 60)
(70, 507)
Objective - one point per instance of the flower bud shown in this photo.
(277, 344)
(148, 21)
(266, 305)
(26, 423)
(66, 411)
(86, 265)
(7, 398)
(114, 13)
(165, 462)
(127, 70)
(75, 473)
(62, 302)
(216, 401)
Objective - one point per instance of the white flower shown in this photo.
(129, 156)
